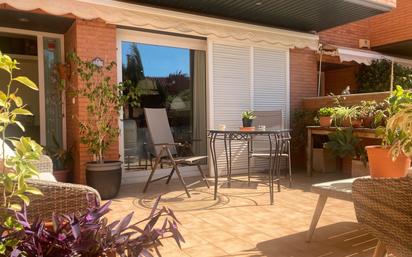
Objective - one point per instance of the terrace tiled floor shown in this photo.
(242, 223)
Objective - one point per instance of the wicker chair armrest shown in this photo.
(62, 198)
(385, 207)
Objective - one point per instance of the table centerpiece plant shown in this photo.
(247, 118)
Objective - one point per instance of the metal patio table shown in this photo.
(228, 135)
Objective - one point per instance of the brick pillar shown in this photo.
(303, 76)
(89, 39)
(303, 83)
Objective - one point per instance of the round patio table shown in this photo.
(273, 137)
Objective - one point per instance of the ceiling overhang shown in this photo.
(403, 48)
(298, 15)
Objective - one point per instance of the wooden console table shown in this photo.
(317, 130)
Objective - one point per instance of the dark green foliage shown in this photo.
(377, 76)
(301, 118)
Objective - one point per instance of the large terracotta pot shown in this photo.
(382, 165)
(325, 121)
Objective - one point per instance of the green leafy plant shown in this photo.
(16, 168)
(396, 133)
(248, 115)
(98, 130)
(376, 77)
(300, 120)
(342, 143)
(62, 158)
(326, 111)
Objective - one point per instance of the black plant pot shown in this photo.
(247, 123)
(104, 177)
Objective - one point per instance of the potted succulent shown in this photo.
(325, 116)
(98, 130)
(392, 158)
(62, 160)
(247, 118)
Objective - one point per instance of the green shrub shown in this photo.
(326, 111)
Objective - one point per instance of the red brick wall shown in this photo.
(337, 80)
(346, 35)
(303, 76)
(394, 26)
(387, 28)
(89, 39)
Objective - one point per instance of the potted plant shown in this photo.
(247, 118)
(325, 116)
(392, 158)
(90, 234)
(344, 145)
(352, 117)
(368, 111)
(62, 160)
(98, 130)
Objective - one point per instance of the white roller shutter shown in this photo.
(270, 90)
(245, 77)
(231, 96)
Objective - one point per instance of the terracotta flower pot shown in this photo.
(368, 122)
(382, 165)
(355, 123)
(325, 121)
(61, 175)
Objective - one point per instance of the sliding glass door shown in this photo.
(38, 55)
(162, 76)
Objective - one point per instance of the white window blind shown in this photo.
(244, 78)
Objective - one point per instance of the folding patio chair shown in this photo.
(164, 148)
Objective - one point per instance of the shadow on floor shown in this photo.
(344, 239)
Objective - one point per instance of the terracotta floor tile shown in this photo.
(241, 222)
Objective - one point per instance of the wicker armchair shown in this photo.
(63, 198)
(385, 207)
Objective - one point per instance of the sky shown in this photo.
(160, 61)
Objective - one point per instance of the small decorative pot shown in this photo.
(381, 164)
(325, 121)
(247, 123)
(357, 123)
(61, 175)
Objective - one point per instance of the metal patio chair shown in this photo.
(164, 148)
(272, 120)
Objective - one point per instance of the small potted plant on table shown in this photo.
(392, 158)
(247, 120)
(325, 116)
(99, 129)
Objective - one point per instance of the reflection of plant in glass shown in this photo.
(17, 168)
(99, 129)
